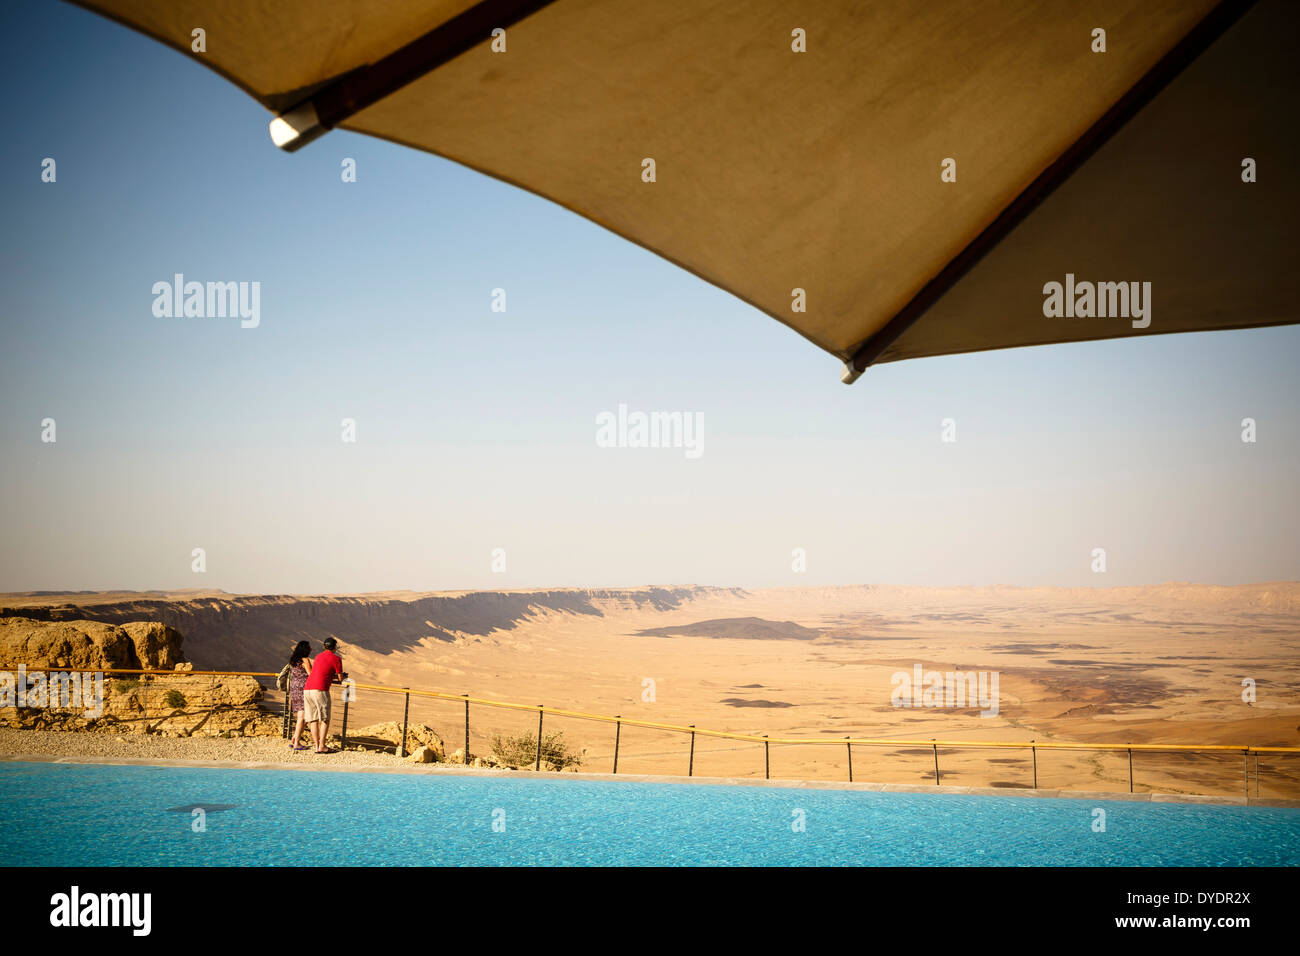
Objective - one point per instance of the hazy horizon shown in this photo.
(55, 592)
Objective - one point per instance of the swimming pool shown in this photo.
(94, 815)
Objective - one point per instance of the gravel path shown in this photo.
(140, 746)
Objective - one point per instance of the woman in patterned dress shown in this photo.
(299, 668)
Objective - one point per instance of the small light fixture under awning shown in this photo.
(296, 128)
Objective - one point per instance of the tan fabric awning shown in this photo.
(820, 171)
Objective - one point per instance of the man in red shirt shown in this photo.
(327, 669)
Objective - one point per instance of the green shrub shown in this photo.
(521, 751)
(174, 699)
(125, 686)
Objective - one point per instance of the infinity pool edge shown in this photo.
(560, 778)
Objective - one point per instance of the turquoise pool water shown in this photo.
(90, 815)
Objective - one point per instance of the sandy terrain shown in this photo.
(1143, 665)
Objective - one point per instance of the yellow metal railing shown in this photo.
(620, 721)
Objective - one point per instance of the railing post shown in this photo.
(849, 744)
(1245, 760)
(538, 764)
(936, 764)
(618, 732)
(286, 711)
(406, 713)
(343, 737)
(690, 770)
(1130, 769)
(767, 758)
(1034, 749)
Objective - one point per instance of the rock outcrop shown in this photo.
(386, 736)
(157, 646)
(178, 703)
(179, 706)
(89, 645)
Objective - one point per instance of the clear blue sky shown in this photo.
(476, 429)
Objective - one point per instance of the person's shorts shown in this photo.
(315, 705)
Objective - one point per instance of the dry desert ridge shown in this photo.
(1166, 664)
